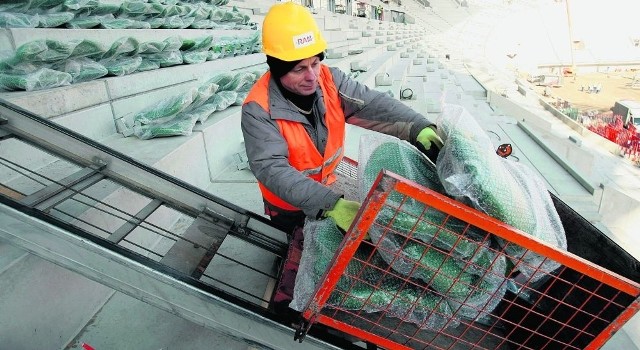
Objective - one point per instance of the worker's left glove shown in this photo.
(344, 212)
(429, 143)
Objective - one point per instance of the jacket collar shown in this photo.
(281, 108)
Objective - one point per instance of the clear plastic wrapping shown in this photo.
(511, 192)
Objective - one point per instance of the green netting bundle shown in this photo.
(124, 23)
(82, 69)
(173, 127)
(43, 51)
(124, 46)
(165, 110)
(221, 79)
(176, 10)
(43, 78)
(14, 67)
(122, 65)
(146, 65)
(197, 44)
(156, 54)
(196, 50)
(155, 23)
(140, 10)
(15, 6)
(224, 99)
(200, 12)
(18, 20)
(88, 22)
(240, 81)
(80, 5)
(472, 172)
(43, 4)
(452, 264)
(103, 9)
(151, 47)
(364, 286)
(86, 48)
(176, 22)
(234, 16)
(52, 20)
(202, 24)
(163, 59)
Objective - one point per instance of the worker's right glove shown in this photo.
(344, 212)
(429, 143)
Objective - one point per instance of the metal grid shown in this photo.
(577, 305)
(122, 216)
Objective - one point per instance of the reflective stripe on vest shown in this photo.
(303, 154)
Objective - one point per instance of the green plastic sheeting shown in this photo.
(43, 78)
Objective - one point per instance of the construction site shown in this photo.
(132, 217)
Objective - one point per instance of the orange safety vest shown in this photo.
(303, 154)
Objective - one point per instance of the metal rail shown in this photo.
(97, 212)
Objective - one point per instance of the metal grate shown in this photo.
(461, 289)
(101, 206)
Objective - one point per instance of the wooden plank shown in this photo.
(10, 193)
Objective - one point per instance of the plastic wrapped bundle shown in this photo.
(43, 4)
(80, 5)
(475, 273)
(18, 20)
(165, 110)
(43, 51)
(177, 22)
(124, 46)
(86, 22)
(454, 273)
(122, 65)
(121, 58)
(82, 69)
(43, 78)
(52, 20)
(240, 82)
(140, 9)
(472, 172)
(196, 50)
(174, 127)
(124, 23)
(391, 294)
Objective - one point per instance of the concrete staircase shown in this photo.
(39, 295)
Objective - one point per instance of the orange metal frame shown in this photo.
(367, 215)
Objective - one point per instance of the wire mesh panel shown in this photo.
(421, 271)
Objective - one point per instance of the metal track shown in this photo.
(97, 212)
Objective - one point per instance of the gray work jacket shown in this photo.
(268, 152)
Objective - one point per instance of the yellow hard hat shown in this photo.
(290, 33)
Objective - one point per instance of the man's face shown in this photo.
(303, 78)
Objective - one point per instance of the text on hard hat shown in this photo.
(304, 39)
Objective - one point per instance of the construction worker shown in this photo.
(293, 122)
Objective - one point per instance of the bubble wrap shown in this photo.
(469, 285)
(473, 173)
(391, 294)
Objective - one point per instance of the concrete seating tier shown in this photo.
(12, 38)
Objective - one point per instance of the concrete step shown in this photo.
(39, 295)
